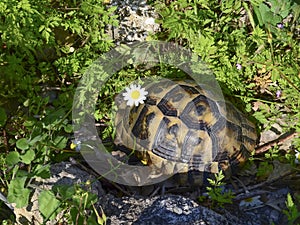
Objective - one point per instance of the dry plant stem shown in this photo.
(290, 82)
(265, 183)
(155, 192)
(241, 183)
(5, 142)
(74, 162)
(250, 194)
(265, 147)
(120, 189)
(261, 149)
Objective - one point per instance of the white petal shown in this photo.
(242, 203)
(297, 158)
(149, 21)
(130, 102)
(143, 91)
(132, 87)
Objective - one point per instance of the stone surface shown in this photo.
(61, 173)
(136, 21)
(171, 209)
(177, 209)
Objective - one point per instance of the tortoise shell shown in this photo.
(185, 123)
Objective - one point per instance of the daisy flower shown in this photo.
(250, 202)
(135, 95)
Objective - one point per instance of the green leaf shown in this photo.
(68, 128)
(42, 27)
(12, 158)
(26, 103)
(48, 204)
(46, 35)
(25, 5)
(256, 2)
(28, 156)
(28, 123)
(35, 139)
(275, 75)
(60, 142)
(42, 171)
(76, 217)
(292, 212)
(261, 117)
(17, 193)
(265, 13)
(289, 201)
(100, 219)
(92, 220)
(22, 144)
(296, 11)
(67, 192)
(3, 117)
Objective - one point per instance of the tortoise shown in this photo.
(185, 123)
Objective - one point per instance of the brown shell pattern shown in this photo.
(182, 122)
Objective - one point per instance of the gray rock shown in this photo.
(142, 210)
(61, 173)
(136, 21)
(171, 209)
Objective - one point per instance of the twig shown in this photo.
(251, 194)
(81, 166)
(283, 138)
(5, 142)
(290, 82)
(267, 182)
(85, 41)
(68, 8)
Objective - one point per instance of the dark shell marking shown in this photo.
(183, 123)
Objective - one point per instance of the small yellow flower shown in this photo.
(135, 95)
(75, 145)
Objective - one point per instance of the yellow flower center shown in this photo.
(135, 94)
(248, 199)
